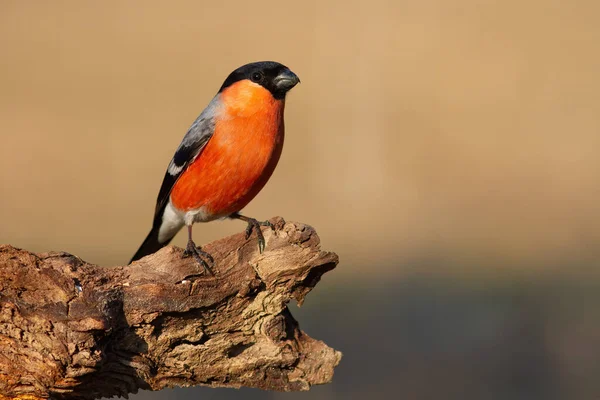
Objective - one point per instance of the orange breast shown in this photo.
(240, 156)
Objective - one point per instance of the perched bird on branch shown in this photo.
(225, 158)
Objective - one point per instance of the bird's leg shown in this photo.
(192, 250)
(253, 224)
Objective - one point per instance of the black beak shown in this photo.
(286, 80)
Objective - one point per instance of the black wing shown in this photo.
(191, 146)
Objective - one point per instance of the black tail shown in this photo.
(150, 245)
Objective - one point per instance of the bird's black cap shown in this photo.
(273, 76)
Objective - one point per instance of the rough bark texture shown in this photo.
(72, 330)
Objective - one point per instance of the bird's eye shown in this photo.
(256, 76)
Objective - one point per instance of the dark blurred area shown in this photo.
(447, 151)
(430, 337)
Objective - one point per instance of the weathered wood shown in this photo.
(72, 330)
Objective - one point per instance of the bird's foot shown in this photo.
(202, 257)
(254, 224)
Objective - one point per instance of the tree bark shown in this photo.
(73, 330)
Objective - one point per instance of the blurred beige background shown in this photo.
(468, 130)
(427, 137)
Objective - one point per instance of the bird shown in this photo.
(225, 158)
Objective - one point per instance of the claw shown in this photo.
(207, 255)
(261, 241)
(192, 250)
(252, 224)
(249, 229)
(267, 223)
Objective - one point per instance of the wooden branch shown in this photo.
(72, 330)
